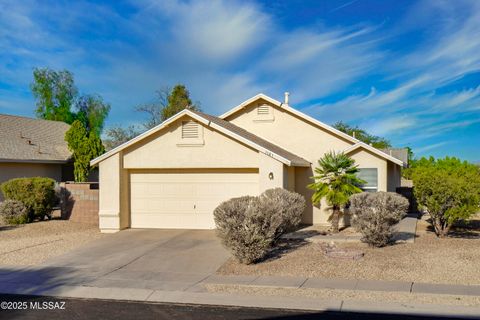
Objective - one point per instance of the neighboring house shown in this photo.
(174, 175)
(33, 147)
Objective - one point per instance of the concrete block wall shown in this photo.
(80, 202)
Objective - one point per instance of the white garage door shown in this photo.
(184, 200)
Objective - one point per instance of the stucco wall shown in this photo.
(310, 142)
(110, 193)
(164, 150)
(394, 177)
(366, 159)
(269, 165)
(22, 170)
(290, 132)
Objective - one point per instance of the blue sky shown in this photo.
(406, 70)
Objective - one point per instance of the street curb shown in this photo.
(349, 284)
(274, 302)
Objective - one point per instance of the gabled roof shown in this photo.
(226, 128)
(375, 151)
(356, 143)
(242, 134)
(25, 139)
(249, 101)
(296, 112)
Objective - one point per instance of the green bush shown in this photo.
(449, 190)
(249, 226)
(37, 194)
(375, 214)
(13, 212)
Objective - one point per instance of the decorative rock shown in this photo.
(332, 251)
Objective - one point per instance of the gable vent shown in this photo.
(263, 109)
(190, 130)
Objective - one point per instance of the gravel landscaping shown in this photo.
(452, 260)
(34, 243)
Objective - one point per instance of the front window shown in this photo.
(370, 175)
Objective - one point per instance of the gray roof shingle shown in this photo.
(293, 158)
(399, 153)
(36, 140)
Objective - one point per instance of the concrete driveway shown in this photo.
(135, 258)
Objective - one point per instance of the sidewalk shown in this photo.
(197, 294)
(404, 232)
(345, 284)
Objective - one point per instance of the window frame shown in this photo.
(367, 188)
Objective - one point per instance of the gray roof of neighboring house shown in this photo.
(32, 140)
(296, 160)
(399, 153)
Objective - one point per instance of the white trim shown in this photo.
(138, 138)
(357, 143)
(202, 120)
(249, 101)
(374, 150)
(291, 110)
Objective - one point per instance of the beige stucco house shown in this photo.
(33, 148)
(174, 175)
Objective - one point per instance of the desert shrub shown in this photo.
(13, 212)
(37, 194)
(449, 190)
(375, 214)
(289, 205)
(248, 226)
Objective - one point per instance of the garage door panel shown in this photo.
(184, 200)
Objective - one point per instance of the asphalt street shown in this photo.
(34, 307)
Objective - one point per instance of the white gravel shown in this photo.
(34, 243)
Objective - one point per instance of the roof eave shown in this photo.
(291, 110)
(247, 102)
(376, 151)
(53, 161)
(199, 118)
(141, 136)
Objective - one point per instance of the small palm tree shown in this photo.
(335, 180)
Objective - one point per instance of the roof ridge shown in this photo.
(30, 118)
(243, 129)
(202, 114)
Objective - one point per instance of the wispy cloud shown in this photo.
(430, 147)
(227, 51)
(343, 6)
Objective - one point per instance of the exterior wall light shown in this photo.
(270, 176)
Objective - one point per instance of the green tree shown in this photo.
(84, 146)
(55, 93)
(178, 100)
(448, 189)
(92, 112)
(414, 164)
(168, 103)
(362, 135)
(335, 180)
